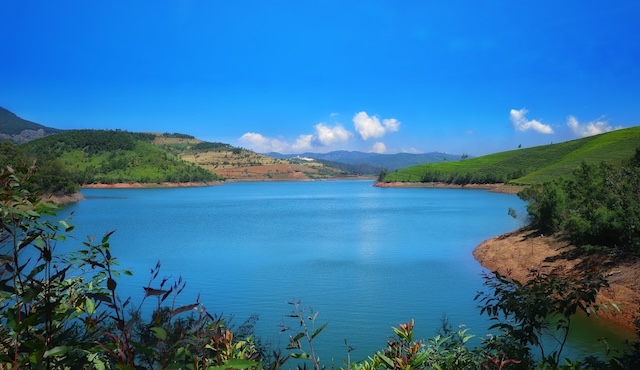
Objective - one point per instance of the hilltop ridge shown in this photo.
(18, 130)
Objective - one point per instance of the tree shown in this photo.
(543, 305)
(383, 173)
(599, 206)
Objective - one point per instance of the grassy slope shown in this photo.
(533, 165)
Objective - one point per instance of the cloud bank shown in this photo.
(589, 128)
(521, 123)
(326, 137)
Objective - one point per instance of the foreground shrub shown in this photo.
(59, 311)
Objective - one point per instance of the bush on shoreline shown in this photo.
(599, 207)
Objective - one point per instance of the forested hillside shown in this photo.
(51, 176)
(527, 166)
(98, 156)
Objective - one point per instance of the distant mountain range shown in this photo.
(371, 163)
(18, 130)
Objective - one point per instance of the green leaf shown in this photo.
(65, 225)
(385, 359)
(105, 238)
(297, 337)
(319, 330)
(97, 363)
(57, 351)
(159, 333)
(417, 362)
(303, 355)
(90, 306)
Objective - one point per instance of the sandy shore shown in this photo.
(497, 188)
(515, 254)
(136, 185)
(72, 198)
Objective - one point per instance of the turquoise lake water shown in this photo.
(365, 258)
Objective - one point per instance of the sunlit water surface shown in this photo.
(365, 258)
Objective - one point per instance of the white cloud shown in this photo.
(520, 122)
(328, 136)
(303, 143)
(263, 144)
(323, 138)
(589, 128)
(370, 127)
(378, 147)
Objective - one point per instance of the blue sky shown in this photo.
(470, 77)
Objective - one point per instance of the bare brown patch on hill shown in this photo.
(516, 254)
(244, 165)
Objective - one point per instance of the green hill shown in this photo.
(101, 156)
(527, 166)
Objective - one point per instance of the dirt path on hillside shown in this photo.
(515, 254)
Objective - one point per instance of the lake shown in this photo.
(365, 258)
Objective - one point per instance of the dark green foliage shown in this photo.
(178, 136)
(205, 145)
(52, 178)
(548, 203)
(598, 206)
(544, 304)
(39, 295)
(88, 141)
(382, 174)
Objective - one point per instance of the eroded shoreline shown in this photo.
(516, 253)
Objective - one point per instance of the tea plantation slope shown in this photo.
(614, 147)
(529, 165)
